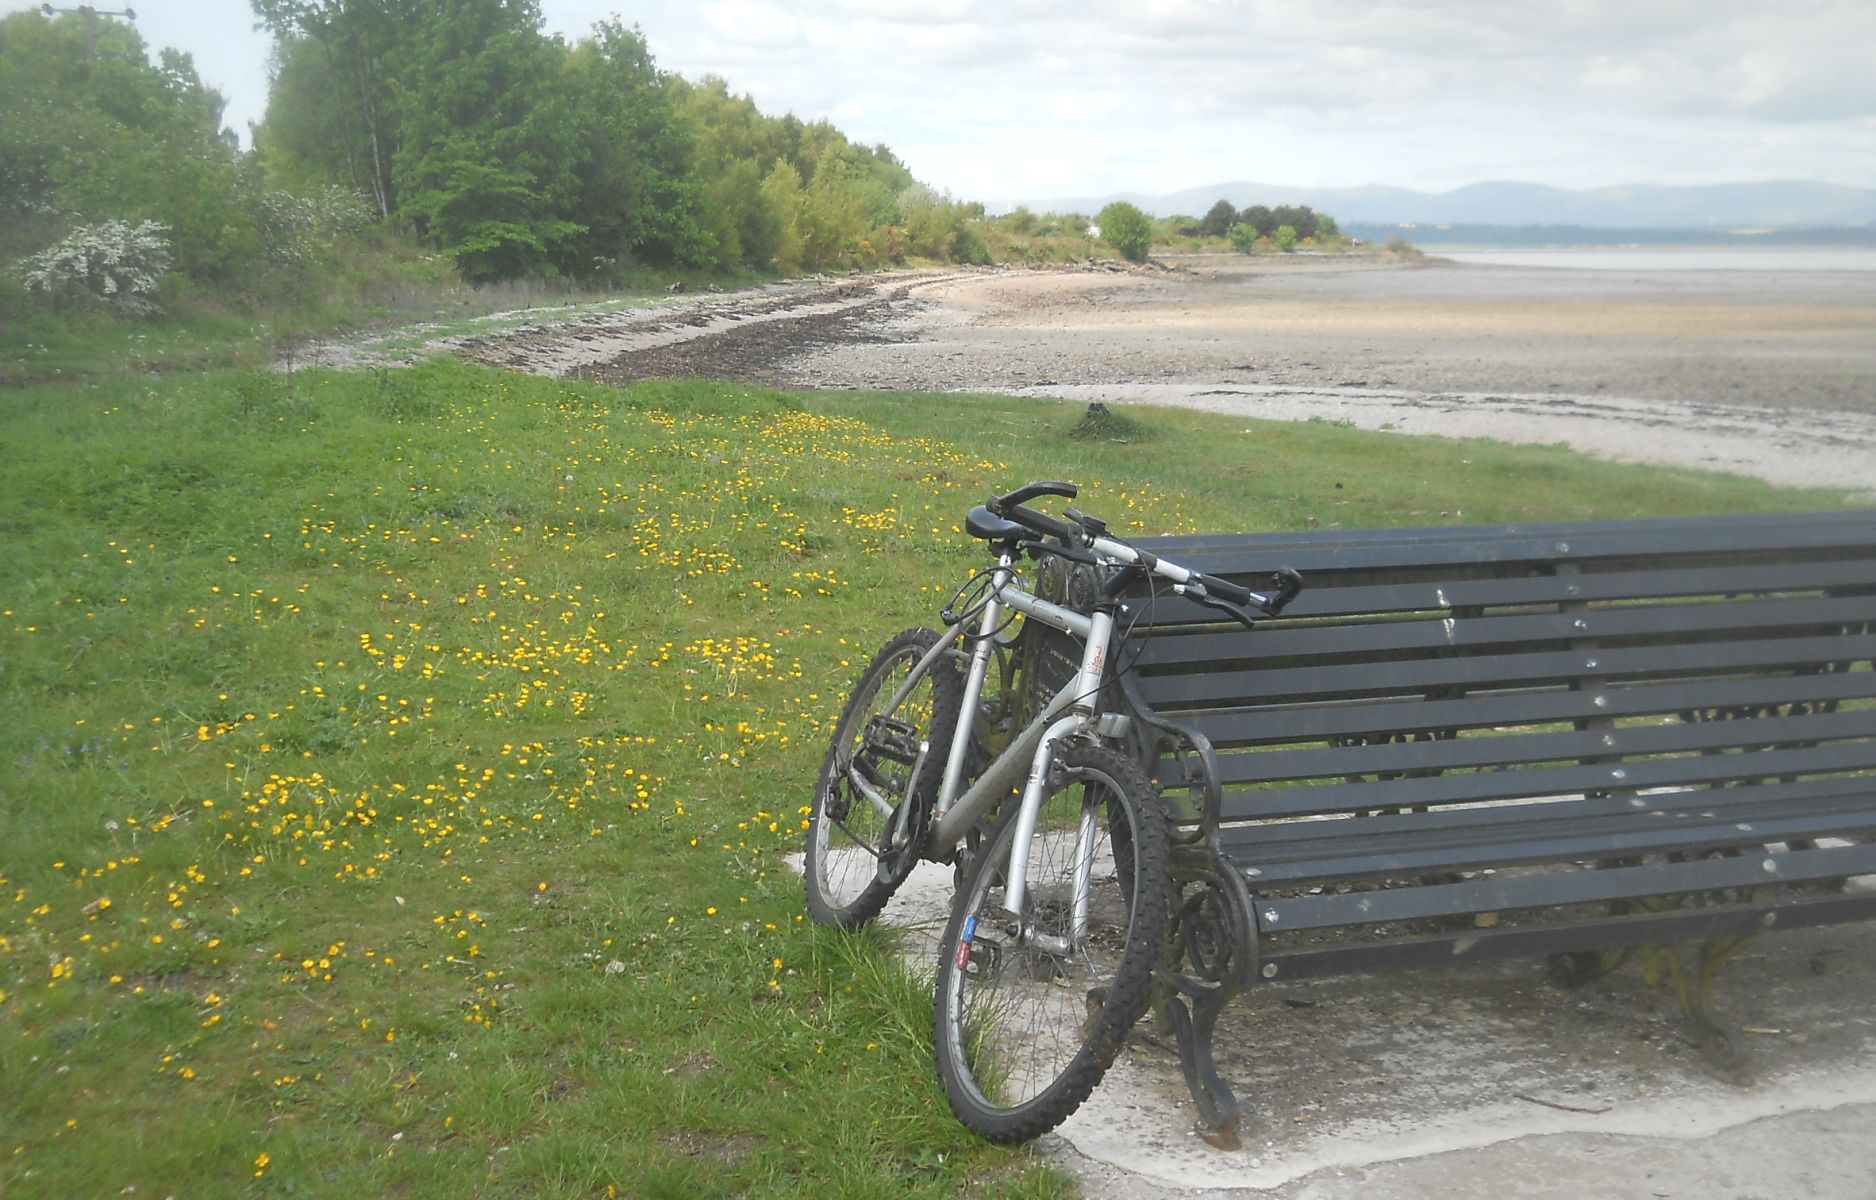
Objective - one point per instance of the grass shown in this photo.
(400, 763)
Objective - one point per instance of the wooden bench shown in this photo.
(1467, 744)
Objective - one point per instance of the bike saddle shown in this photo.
(980, 522)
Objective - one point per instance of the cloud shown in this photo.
(987, 95)
(770, 28)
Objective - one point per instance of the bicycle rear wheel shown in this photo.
(879, 759)
(1028, 1018)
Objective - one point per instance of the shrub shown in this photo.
(15, 301)
(113, 264)
(1128, 230)
(297, 230)
(1285, 238)
(970, 247)
(1102, 424)
(1243, 237)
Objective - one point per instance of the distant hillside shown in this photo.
(1720, 206)
(1432, 236)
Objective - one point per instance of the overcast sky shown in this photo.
(1014, 99)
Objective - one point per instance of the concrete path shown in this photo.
(1490, 1081)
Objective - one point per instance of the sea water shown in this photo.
(1692, 258)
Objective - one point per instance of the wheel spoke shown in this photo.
(1026, 1026)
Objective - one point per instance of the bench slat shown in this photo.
(1679, 925)
(1327, 598)
(1473, 788)
(1541, 889)
(1277, 841)
(1563, 830)
(1675, 737)
(1678, 622)
(1246, 727)
(1411, 676)
(1369, 550)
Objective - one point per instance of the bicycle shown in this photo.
(1063, 894)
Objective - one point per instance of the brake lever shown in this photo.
(1236, 612)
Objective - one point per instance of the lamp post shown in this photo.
(91, 16)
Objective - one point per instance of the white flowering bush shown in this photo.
(115, 264)
(296, 230)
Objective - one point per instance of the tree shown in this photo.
(1285, 237)
(518, 154)
(1259, 218)
(733, 149)
(1243, 237)
(1128, 230)
(634, 194)
(1218, 219)
(358, 45)
(931, 225)
(1298, 217)
(833, 213)
(840, 202)
(489, 138)
(93, 132)
(781, 192)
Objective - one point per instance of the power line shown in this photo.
(91, 16)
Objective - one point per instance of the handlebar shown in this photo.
(1084, 539)
(1028, 492)
(1011, 507)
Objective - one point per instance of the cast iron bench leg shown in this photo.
(1690, 970)
(1217, 1104)
(1208, 961)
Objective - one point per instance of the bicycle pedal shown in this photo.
(892, 739)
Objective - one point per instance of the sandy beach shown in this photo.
(1767, 338)
(1768, 373)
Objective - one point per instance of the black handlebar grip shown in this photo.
(1028, 492)
(1043, 523)
(1289, 584)
(1224, 589)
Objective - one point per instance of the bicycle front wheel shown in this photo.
(882, 756)
(1031, 1011)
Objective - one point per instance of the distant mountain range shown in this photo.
(1780, 204)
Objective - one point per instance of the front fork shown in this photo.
(1035, 789)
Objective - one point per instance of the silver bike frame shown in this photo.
(1070, 710)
